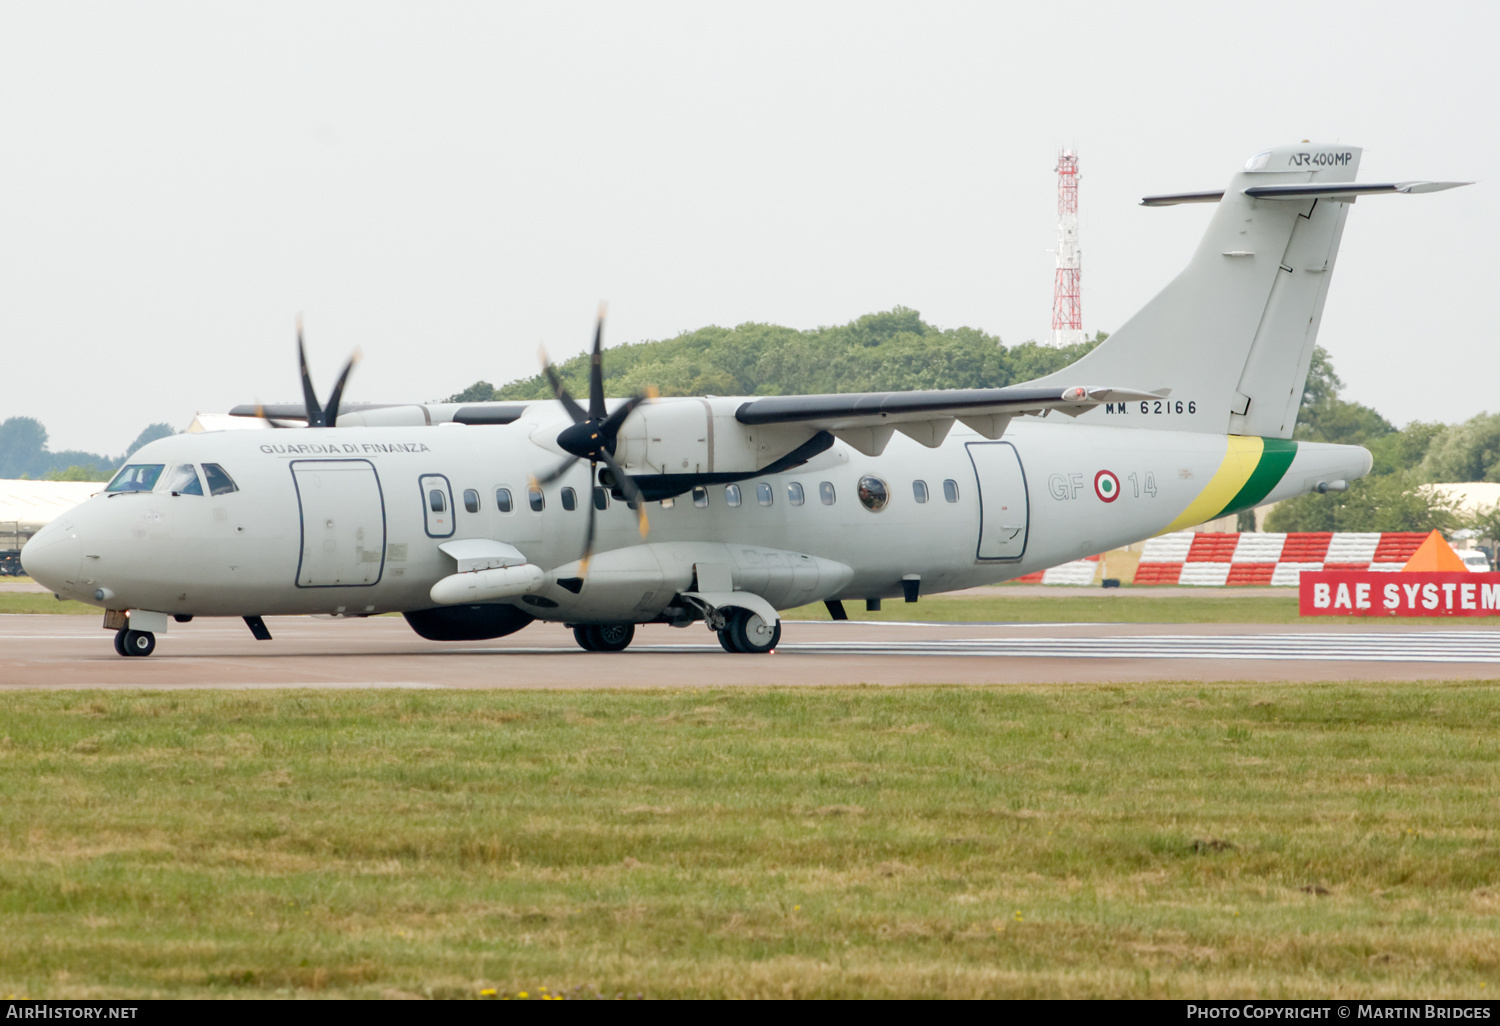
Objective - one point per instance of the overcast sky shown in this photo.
(448, 185)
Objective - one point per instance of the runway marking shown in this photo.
(1406, 647)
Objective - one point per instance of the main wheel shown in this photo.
(612, 637)
(726, 639)
(584, 635)
(751, 634)
(120, 648)
(139, 643)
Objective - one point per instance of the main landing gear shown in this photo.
(604, 637)
(748, 633)
(135, 643)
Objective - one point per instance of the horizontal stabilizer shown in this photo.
(1344, 190)
(1348, 191)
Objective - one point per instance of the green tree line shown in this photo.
(24, 453)
(894, 351)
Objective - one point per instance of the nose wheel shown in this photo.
(747, 633)
(135, 643)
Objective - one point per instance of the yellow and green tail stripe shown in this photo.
(1252, 466)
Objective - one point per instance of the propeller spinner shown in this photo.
(592, 437)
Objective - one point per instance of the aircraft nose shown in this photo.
(53, 556)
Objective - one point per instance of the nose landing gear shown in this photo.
(134, 643)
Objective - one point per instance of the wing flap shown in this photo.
(866, 419)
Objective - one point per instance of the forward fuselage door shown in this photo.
(343, 523)
(1004, 512)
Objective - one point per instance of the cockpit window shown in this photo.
(135, 477)
(181, 480)
(219, 483)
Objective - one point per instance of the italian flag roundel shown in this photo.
(1106, 486)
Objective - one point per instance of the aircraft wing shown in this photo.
(866, 420)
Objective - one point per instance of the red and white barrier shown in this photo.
(1227, 558)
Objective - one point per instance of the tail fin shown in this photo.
(1232, 335)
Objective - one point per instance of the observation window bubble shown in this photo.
(873, 494)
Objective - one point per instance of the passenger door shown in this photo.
(1004, 515)
(343, 523)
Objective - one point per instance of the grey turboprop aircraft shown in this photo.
(475, 520)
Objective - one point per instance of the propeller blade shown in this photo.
(309, 397)
(574, 410)
(556, 473)
(596, 372)
(628, 489)
(612, 424)
(331, 411)
(588, 542)
(260, 411)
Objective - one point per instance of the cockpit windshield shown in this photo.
(219, 483)
(181, 480)
(135, 477)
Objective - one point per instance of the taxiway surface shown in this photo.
(45, 651)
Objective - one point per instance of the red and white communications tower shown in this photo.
(1067, 300)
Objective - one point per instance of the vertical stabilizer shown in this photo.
(1232, 335)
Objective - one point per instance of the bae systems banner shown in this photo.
(1410, 593)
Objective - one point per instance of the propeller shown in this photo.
(592, 437)
(317, 416)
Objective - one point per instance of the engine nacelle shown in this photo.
(701, 436)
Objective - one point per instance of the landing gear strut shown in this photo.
(604, 637)
(134, 643)
(746, 632)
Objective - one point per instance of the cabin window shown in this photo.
(700, 497)
(181, 480)
(219, 483)
(601, 497)
(827, 494)
(950, 490)
(537, 499)
(668, 503)
(763, 494)
(794, 493)
(137, 477)
(569, 499)
(436, 500)
(919, 490)
(503, 501)
(471, 500)
(732, 494)
(873, 494)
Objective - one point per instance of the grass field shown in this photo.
(1145, 840)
